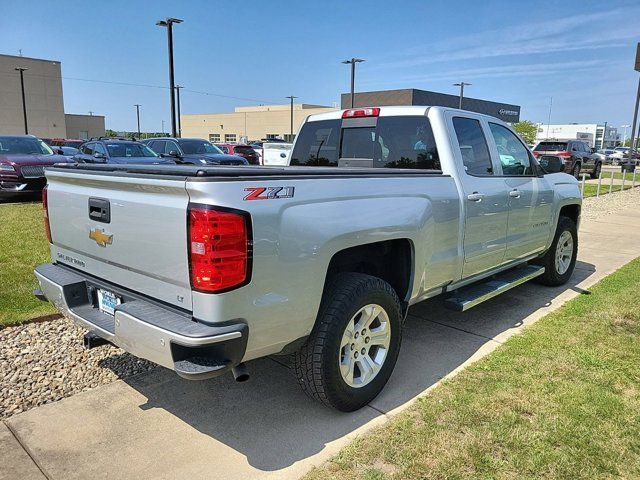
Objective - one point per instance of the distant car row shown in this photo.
(23, 157)
(578, 157)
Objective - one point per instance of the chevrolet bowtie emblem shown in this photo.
(101, 238)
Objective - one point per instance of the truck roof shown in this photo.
(393, 111)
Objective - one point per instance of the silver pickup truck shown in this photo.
(201, 269)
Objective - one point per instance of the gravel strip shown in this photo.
(44, 362)
(597, 207)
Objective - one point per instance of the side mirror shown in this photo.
(99, 155)
(551, 164)
(59, 151)
(174, 153)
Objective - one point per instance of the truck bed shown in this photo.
(227, 172)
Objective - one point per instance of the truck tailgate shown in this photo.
(136, 238)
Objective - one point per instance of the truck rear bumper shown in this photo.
(143, 328)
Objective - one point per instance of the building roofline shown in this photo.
(31, 58)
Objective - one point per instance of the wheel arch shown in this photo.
(389, 260)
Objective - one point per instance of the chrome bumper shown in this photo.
(145, 329)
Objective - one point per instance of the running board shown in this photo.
(476, 293)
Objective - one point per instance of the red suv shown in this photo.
(244, 151)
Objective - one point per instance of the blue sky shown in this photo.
(579, 52)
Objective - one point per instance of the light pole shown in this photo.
(24, 103)
(178, 87)
(624, 136)
(168, 23)
(353, 62)
(291, 135)
(163, 128)
(604, 136)
(461, 85)
(137, 105)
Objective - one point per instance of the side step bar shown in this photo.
(474, 294)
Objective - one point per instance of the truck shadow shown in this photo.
(274, 425)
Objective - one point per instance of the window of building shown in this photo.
(289, 138)
(214, 137)
(230, 137)
(473, 146)
(271, 136)
(84, 134)
(514, 156)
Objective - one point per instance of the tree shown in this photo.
(110, 133)
(527, 130)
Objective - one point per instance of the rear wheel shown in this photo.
(596, 170)
(354, 346)
(560, 259)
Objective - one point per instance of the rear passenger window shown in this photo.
(514, 156)
(473, 146)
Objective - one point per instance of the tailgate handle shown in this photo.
(99, 210)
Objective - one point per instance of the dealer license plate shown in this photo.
(108, 301)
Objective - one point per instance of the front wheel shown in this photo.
(576, 171)
(596, 170)
(354, 345)
(560, 259)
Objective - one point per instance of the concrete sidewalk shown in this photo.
(158, 426)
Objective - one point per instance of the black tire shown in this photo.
(316, 364)
(596, 170)
(575, 171)
(551, 276)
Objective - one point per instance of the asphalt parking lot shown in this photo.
(156, 425)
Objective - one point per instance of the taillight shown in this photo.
(219, 248)
(564, 154)
(361, 112)
(536, 153)
(45, 212)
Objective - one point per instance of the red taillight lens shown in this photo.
(45, 212)
(564, 154)
(218, 248)
(361, 112)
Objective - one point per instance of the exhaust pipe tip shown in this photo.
(240, 372)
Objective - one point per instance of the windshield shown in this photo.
(122, 149)
(190, 147)
(622, 149)
(551, 146)
(73, 143)
(23, 146)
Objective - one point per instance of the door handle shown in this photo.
(514, 193)
(475, 197)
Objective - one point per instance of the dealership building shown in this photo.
(43, 99)
(274, 121)
(590, 133)
(412, 96)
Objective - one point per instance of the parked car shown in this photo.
(192, 150)
(604, 155)
(208, 267)
(68, 152)
(576, 156)
(276, 153)
(118, 151)
(22, 162)
(244, 151)
(66, 142)
(621, 155)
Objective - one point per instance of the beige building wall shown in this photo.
(43, 94)
(84, 126)
(254, 122)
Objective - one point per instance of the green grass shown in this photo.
(590, 189)
(24, 246)
(561, 400)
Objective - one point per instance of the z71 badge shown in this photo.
(268, 193)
